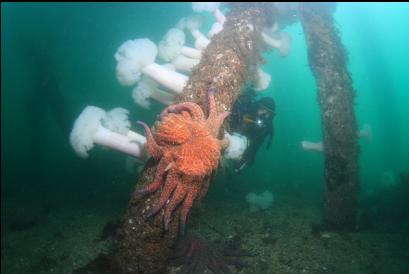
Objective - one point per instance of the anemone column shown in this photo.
(336, 98)
(141, 245)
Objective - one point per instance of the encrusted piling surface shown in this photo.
(328, 62)
(141, 245)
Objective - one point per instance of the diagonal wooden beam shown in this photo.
(141, 245)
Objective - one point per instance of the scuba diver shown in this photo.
(253, 119)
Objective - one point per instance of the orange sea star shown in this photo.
(185, 144)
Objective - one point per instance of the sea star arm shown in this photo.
(157, 182)
(170, 185)
(212, 103)
(215, 121)
(177, 198)
(194, 110)
(224, 143)
(153, 148)
(187, 204)
(205, 188)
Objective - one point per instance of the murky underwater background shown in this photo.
(58, 58)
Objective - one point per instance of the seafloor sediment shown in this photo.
(279, 238)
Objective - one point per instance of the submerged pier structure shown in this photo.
(141, 245)
(328, 62)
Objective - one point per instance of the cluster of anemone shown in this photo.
(142, 57)
(159, 72)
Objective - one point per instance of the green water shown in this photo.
(73, 45)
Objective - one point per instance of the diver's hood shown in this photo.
(267, 103)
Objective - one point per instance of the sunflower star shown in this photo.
(185, 144)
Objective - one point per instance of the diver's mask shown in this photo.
(259, 121)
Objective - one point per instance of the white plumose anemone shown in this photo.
(171, 44)
(88, 130)
(171, 49)
(366, 132)
(117, 120)
(213, 7)
(193, 23)
(312, 146)
(132, 56)
(138, 56)
(237, 145)
(270, 31)
(261, 80)
(215, 29)
(261, 201)
(146, 89)
(282, 42)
